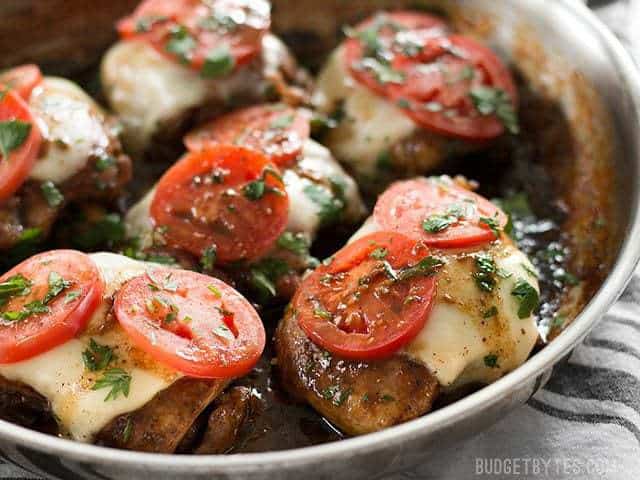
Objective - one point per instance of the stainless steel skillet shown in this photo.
(562, 50)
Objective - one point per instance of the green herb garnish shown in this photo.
(13, 134)
(490, 101)
(51, 194)
(117, 380)
(97, 357)
(218, 62)
(527, 297)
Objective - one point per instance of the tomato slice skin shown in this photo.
(433, 81)
(213, 333)
(22, 79)
(204, 201)
(15, 169)
(386, 23)
(366, 319)
(66, 317)
(405, 205)
(238, 25)
(277, 131)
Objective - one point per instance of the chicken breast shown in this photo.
(373, 137)
(158, 99)
(81, 159)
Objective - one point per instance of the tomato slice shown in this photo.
(439, 212)
(22, 79)
(46, 301)
(449, 84)
(224, 197)
(277, 131)
(386, 34)
(371, 300)
(200, 326)
(23, 145)
(212, 37)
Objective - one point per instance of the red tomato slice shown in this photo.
(201, 327)
(435, 77)
(22, 79)
(191, 31)
(368, 302)
(225, 197)
(457, 217)
(57, 318)
(380, 33)
(277, 131)
(15, 169)
(151, 14)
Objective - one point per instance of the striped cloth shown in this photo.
(585, 423)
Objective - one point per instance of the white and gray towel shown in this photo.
(585, 423)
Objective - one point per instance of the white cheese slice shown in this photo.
(456, 337)
(60, 375)
(148, 90)
(371, 124)
(73, 125)
(316, 168)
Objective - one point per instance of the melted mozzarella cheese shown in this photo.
(371, 124)
(456, 337)
(60, 375)
(316, 168)
(73, 125)
(149, 91)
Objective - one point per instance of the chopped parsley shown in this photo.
(107, 231)
(104, 162)
(264, 275)
(490, 101)
(379, 253)
(322, 313)
(383, 160)
(257, 189)
(491, 361)
(336, 395)
(117, 380)
(492, 223)
(56, 285)
(13, 134)
(51, 194)
(485, 272)
(428, 266)
(218, 62)
(71, 296)
(281, 122)
(127, 431)
(14, 286)
(97, 357)
(331, 202)
(527, 297)
(181, 43)
(294, 242)
(216, 292)
(208, 259)
(438, 223)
